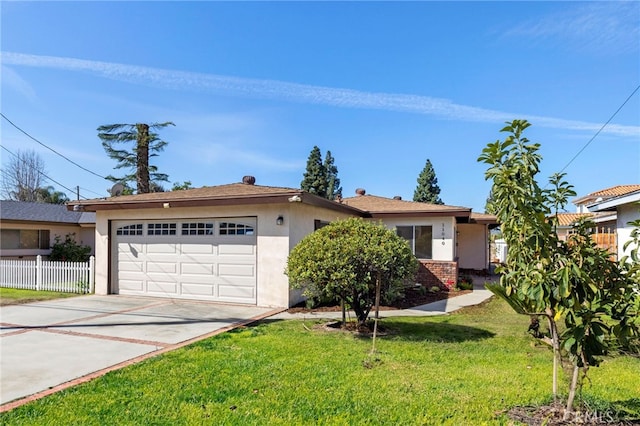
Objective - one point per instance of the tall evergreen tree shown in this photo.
(427, 190)
(334, 190)
(147, 145)
(315, 177)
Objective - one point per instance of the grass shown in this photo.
(15, 296)
(465, 368)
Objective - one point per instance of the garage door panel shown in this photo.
(162, 248)
(162, 267)
(206, 269)
(235, 270)
(234, 249)
(195, 266)
(130, 285)
(235, 293)
(126, 266)
(162, 287)
(206, 248)
(198, 289)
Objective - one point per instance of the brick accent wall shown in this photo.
(437, 272)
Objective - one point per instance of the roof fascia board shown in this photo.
(612, 203)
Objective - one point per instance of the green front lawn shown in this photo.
(15, 296)
(462, 369)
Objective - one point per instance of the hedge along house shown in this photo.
(230, 243)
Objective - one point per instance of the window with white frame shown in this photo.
(420, 239)
(232, 228)
(135, 229)
(161, 229)
(197, 228)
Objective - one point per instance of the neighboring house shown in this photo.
(627, 209)
(30, 229)
(230, 243)
(604, 233)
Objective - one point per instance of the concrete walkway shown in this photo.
(49, 346)
(441, 307)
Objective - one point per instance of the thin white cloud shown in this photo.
(12, 80)
(603, 27)
(294, 92)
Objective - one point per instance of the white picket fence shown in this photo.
(48, 275)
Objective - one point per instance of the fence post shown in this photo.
(39, 272)
(92, 273)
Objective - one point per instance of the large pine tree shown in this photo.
(427, 190)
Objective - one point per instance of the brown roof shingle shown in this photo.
(378, 206)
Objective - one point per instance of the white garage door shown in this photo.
(204, 259)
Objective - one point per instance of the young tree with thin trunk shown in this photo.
(427, 190)
(146, 145)
(572, 281)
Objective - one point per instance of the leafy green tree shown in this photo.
(344, 260)
(490, 206)
(48, 194)
(147, 145)
(334, 190)
(427, 190)
(69, 250)
(315, 176)
(177, 186)
(571, 280)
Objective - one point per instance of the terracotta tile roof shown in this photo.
(614, 191)
(380, 205)
(567, 219)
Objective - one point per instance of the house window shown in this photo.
(317, 224)
(161, 229)
(25, 239)
(197, 228)
(420, 239)
(135, 229)
(231, 228)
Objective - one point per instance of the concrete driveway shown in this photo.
(49, 346)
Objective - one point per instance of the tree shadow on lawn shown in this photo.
(397, 329)
(433, 332)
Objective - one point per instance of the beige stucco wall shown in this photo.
(626, 213)
(82, 235)
(472, 246)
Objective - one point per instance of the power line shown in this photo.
(40, 172)
(51, 149)
(601, 128)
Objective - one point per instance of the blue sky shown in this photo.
(384, 86)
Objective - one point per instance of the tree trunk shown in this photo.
(556, 350)
(142, 154)
(572, 392)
